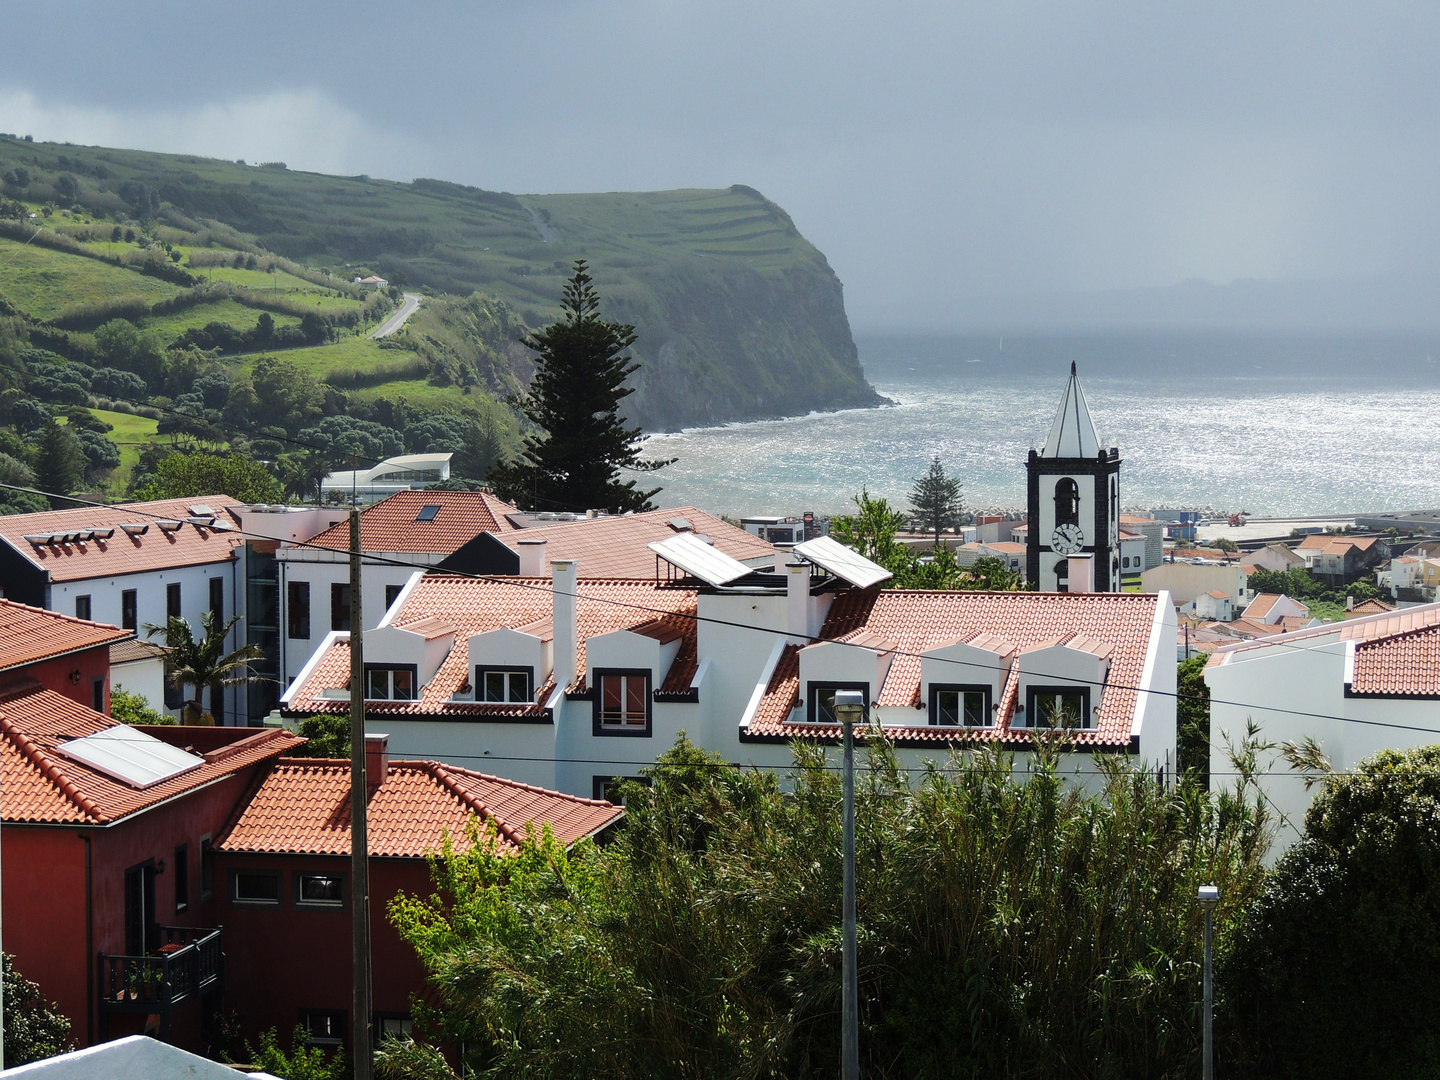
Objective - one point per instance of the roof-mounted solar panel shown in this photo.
(130, 756)
(221, 526)
(847, 565)
(135, 528)
(201, 510)
(680, 524)
(700, 560)
(428, 512)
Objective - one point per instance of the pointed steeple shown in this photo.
(1073, 433)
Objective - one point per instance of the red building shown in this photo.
(284, 866)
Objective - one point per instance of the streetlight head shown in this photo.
(849, 705)
(1209, 896)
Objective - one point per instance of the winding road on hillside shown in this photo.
(396, 321)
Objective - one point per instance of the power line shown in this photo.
(531, 586)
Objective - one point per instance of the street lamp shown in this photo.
(849, 707)
(1209, 898)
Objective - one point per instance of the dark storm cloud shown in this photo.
(940, 154)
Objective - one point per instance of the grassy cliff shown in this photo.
(739, 317)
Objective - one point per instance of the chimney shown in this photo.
(564, 582)
(1081, 577)
(532, 558)
(783, 557)
(1349, 603)
(377, 761)
(797, 599)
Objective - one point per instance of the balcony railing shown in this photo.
(190, 962)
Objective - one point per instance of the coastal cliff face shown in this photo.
(724, 343)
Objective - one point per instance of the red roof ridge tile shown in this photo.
(48, 768)
(442, 775)
(240, 746)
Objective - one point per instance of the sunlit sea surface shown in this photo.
(1273, 424)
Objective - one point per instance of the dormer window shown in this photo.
(1059, 707)
(390, 683)
(512, 685)
(622, 702)
(959, 705)
(822, 700)
(1067, 502)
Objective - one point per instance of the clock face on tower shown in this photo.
(1067, 539)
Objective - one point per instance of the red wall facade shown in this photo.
(285, 959)
(44, 898)
(57, 675)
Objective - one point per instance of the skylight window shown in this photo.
(427, 513)
(130, 756)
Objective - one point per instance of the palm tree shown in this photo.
(300, 474)
(203, 663)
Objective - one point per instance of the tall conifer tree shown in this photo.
(574, 399)
(935, 499)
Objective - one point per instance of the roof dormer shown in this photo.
(1061, 682)
(961, 683)
(859, 661)
(510, 664)
(412, 652)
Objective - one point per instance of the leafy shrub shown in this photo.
(132, 708)
(1332, 973)
(34, 1028)
(303, 1062)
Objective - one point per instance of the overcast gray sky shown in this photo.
(938, 153)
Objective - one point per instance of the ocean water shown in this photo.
(1272, 424)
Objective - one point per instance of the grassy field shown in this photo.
(276, 284)
(357, 353)
(236, 314)
(42, 282)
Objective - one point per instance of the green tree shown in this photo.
(1009, 925)
(935, 499)
(34, 1028)
(327, 736)
(204, 664)
(185, 474)
(300, 474)
(122, 345)
(131, 708)
(1192, 717)
(60, 462)
(1332, 972)
(992, 575)
(284, 394)
(1226, 545)
(871, 531)
(574, 399)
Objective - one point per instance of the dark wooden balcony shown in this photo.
(189, 964)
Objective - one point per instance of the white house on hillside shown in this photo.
(568, 682)
(1355, 687)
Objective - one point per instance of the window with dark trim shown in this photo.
(392, 593)
(172, 601)
(97, 695)
(340, 605)
(217, 599)
(255, 888)
(297, 609)
(820, 699)
(391, 682)
(174, 694)
(393, 1025)
(127, 609)
(610, 788)
(320, 891)
(1058, 706)
(207, 869)
(622, 701)
(181, 868)
(325, 1027)
(82, 607)
(960, 705)
(505, 684)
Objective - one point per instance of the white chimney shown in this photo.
(532, 558)
(1081, 576)
(783, 557)
(797, 599)
(565, 575)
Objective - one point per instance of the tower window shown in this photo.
(1067, 502)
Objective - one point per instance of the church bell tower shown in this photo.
(1074, 501)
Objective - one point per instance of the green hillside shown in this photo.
(738, 316)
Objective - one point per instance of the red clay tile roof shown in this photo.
(41, 785)
(1403, 665)
(1337, 544)
(303, 807)
(132, 649)
(919, 621)
(29, 635)
(1010, 547)
(1364, 629)
(1218, 595)
(1369, 607)
(156, 549)
(614, 547)
(390, 526)
(475, 606)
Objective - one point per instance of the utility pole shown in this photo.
(1209, 897)
(359, 838)
(849, 705)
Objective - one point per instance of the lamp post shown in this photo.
(849, 707)
(1209, 898)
